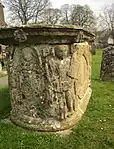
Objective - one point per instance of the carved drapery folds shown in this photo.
(50, 83)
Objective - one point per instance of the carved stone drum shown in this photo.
(49, 75)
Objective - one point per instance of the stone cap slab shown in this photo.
(44, 34)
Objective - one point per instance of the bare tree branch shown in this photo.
(78, 15)
(26, 11)
(107, 19)
(51, 16)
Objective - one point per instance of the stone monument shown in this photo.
(2, 19)
(107, 65)
(49, 75)
(2, 24)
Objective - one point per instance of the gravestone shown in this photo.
(107, 65)
(49, 75)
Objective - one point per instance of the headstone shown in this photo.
(49, 75)
(107, 65)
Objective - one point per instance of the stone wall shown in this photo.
(107, 65)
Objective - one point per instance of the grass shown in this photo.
(2, 75)
(4, 69)
(94, 131)
(5, 105)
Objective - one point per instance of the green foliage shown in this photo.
(96, 64)
(94, 131)
(5, 104)
(2, 75)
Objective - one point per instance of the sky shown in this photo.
(95, 5)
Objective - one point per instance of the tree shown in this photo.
(82, 16)
(51, 16)
(65, 11)
(78, 15)
(107, 19)
(25, 11)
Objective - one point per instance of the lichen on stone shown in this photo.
(49, 84)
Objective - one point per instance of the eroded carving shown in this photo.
(48, 83)
(20, 35)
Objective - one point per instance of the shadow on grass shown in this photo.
(96, 79)
(5, 104)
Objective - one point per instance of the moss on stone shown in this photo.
(52, 26)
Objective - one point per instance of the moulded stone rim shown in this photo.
(47, 27)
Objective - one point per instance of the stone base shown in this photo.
(49, 125)
(60, 133)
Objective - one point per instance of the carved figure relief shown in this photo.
(49, 73)
(48, 82)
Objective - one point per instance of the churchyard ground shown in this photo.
(94, 131)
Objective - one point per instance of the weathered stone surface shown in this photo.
(42, 34)
(107, 65)
(0, 67)
(2, 20)
(50, 83)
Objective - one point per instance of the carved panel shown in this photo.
(47, 83)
